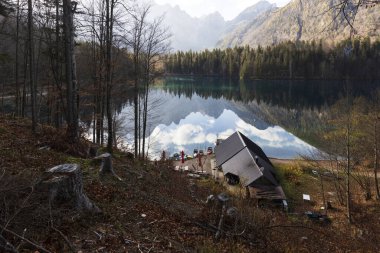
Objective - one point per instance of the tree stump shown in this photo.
(106, 166)
(64, 184)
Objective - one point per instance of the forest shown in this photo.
(355, 58)
(66, 64)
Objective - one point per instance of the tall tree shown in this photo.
(31, 65)
(139, 15)
(156, 44)
(17, 101)
(110, 4)
(69, 8)
(376, 147)
(348, 157)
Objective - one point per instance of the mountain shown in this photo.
(252, 12)
(265, 24)
(301, 20)
(189, 33)
(250, 18)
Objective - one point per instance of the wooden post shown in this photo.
(223, 199)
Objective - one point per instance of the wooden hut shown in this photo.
(244, 162)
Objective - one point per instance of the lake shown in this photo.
(189, 113)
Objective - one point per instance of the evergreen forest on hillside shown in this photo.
(357, 58)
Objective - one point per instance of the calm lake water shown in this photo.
(188, 113)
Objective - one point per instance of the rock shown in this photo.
(64, 184)
(223, 197)
(44, 148)
(232, 211)
(210, 199)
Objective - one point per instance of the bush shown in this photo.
(290, 176)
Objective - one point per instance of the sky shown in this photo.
(229, 9)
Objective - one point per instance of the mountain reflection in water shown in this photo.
(198, 130)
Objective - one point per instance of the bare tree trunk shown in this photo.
(102, 109)
(109, 35)
(139, 126)
(154, 45)
(100, 92)
(376, 165)
(348, 193)
(69, 80)
(338, 186)
(114, 130)
(23, 102)
(139, 23)
(17, 104)
(72, 115)
(36, 77)
(94, 74)
(145, 116)
(31, 63)
(98, 112)
(323, 193)
(136, 102)
(2, 96)
(57, 71)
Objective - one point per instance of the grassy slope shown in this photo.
(176, 219)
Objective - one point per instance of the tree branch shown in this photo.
(25, 239)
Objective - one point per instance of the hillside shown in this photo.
(301, 20)
(156, 209)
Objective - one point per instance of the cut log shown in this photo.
(64, 184)
(106, 166)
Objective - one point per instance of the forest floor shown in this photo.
(157, 209)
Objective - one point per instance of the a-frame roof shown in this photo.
(233, 145)
(240, 156)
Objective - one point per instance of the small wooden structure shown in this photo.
(244, 162)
